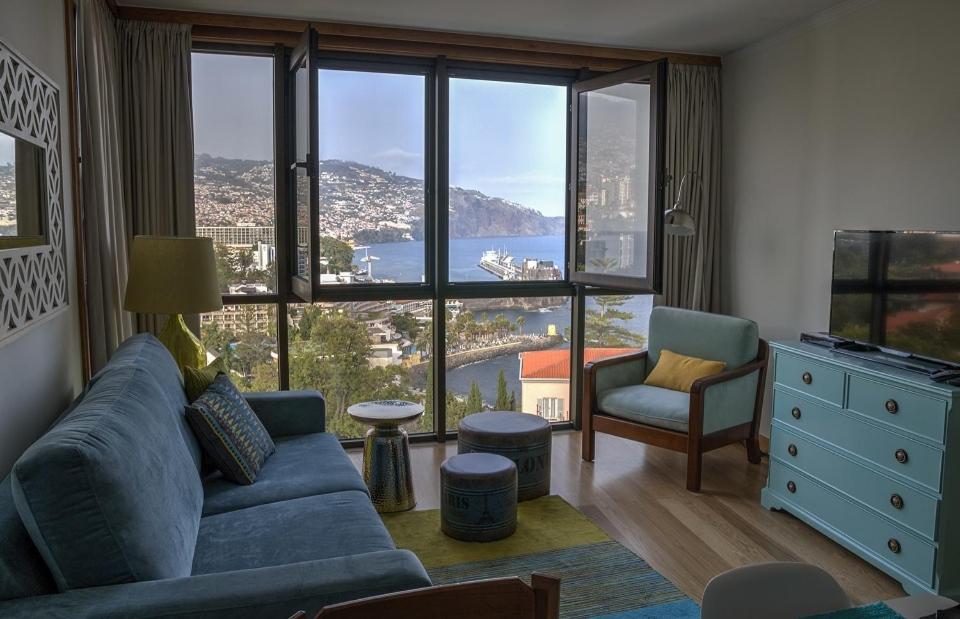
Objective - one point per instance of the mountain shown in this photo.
(357, 202)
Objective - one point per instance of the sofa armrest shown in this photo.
(289, 413)
(277, 591)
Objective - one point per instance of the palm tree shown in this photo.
(520, 322)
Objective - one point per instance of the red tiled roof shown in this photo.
(555, 364)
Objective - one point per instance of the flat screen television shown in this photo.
(899, 291)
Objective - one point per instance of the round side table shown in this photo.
(386, 452)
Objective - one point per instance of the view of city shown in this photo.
(501, 354)
(8, 186)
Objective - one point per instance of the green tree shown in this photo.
(338, 253)
(475, 399)
(329, 352)
(605, 326)
(520, 322)
(503, 398)
(407, 324)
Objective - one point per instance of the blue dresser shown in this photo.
(869, 455)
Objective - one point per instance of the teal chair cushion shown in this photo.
(653, 406)
(732, 340)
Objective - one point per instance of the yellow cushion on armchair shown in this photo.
(679, 372)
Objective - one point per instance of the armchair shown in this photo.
(720, 409)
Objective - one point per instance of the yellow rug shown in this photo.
(544, 524)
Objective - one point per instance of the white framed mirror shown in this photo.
(33, 262)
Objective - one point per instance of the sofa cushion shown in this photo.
(654, 406)
(111, 494)
(301, 466)
(22, 570)
(305, 529)
(230, 432)
(145, 351)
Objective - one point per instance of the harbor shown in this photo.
(502, 265)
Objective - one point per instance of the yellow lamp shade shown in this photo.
(172, 275)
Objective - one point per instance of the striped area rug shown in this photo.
(600, 578)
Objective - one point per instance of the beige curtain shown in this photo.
(157, 134)
(692, 264)
(104, 213)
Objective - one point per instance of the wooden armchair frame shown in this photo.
(479, 599)
(694, 442)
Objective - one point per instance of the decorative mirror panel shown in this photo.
(33, 272)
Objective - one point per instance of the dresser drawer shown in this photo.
(913, 412)
(880, 537)
(921, 463)
(899, 501)
(814, 379)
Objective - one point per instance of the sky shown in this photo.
(507, 140)
(7, 148)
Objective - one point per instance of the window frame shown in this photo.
(280, 56)
(656, 74)
(436, 287)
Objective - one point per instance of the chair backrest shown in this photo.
(773, 591)
(481, 599)
(732, 340)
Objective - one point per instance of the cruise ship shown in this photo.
(506, 267)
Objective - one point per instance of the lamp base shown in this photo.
(186, 349)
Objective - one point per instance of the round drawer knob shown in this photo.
(795, 412)
(891, 406)
(897, 501)
(893, 545)
(792, 487)
(807, 378)
(792, 449)
(901, 456)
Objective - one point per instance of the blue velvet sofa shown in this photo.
(113, 513)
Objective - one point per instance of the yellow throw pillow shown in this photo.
(196, 380)
(678, 372)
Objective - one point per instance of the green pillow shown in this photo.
(197, 380)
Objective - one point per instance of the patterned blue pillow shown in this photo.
(229, 431)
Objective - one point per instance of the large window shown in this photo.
(372, 166)
(504, 353)
(355, 351)
(234, 168)
(234, 189)
(507, 196)
(417, 235)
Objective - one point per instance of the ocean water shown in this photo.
(404, 262)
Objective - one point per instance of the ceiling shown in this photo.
(698, 26)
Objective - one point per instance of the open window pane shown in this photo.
(372, 169)
(507, 195)
(508, 354)
(234, 170)
(362, 350)
(245, 338)
(617, 166)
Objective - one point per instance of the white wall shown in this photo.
(850, 120)
(40, 368)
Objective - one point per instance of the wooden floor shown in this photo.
(636, 494)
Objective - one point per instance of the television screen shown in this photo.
(898, 290)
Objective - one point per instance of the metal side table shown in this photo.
(386, 452)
